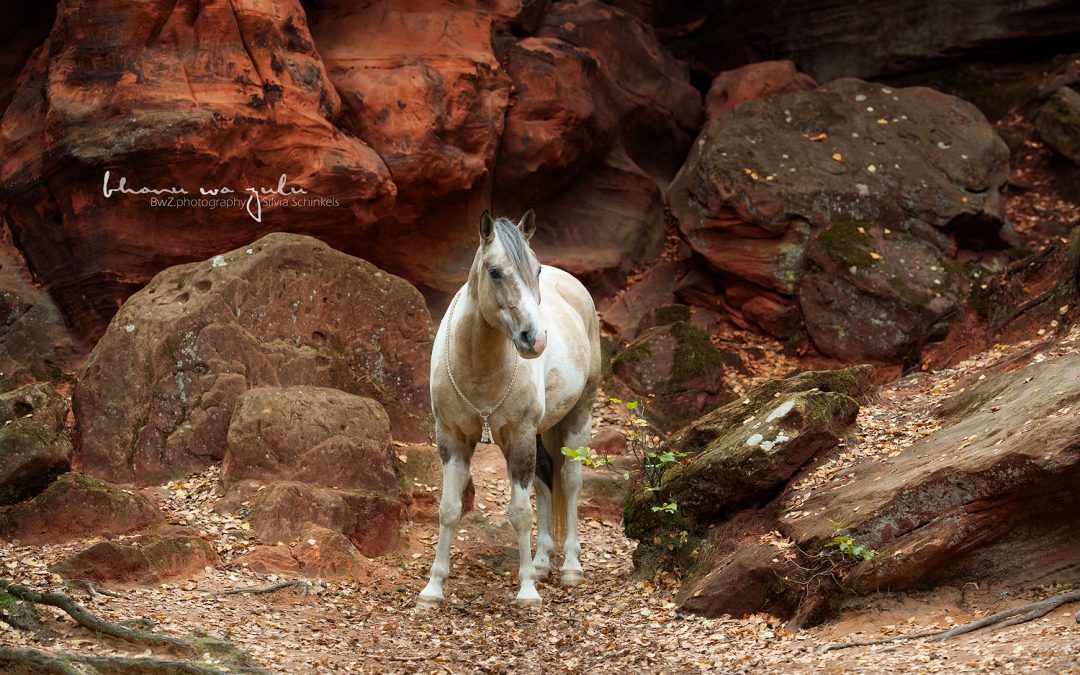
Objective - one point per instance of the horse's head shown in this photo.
(508, 282)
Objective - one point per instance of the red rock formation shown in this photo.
(183, 95)
(410, 116)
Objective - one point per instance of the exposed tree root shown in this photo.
(269, 589)
(36, 661)
(1003, 619)
(95, 623)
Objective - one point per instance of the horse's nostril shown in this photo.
(527, 337)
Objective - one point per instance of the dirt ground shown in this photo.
(615, 622)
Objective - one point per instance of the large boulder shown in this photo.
(310, 435)
(767, 177)
(285, 510)
(75, 506)
(130, 88)
(674, 366)
(148, 559)
(159, 389)
(35, 344)
(1058, 123)
(34, 443)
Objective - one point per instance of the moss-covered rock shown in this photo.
(1058, 123)
(872, 293)
(677, 365)
(746, 451)
(34, 442)
(77, 505)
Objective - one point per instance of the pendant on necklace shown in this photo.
(485, 436)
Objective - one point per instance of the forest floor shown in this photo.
(614, 622)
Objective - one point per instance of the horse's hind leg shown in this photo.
(576, 432)
(455, 457)
(545, 543)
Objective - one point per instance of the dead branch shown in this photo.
(1003, 619)
(93, 589)
(43, 662)
(1027, 306)
(268, 589)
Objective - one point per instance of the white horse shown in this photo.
(510, 369)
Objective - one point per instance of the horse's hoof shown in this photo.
(542, 572)
(571, 578)
(428, 601)
(528, 600)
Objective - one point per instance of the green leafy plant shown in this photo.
(847, 545)
(645, 444)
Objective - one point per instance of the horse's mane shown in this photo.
(515, 245)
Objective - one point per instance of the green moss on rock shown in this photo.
(847, 245)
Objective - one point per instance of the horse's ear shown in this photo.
(487, 228)
(527, 224)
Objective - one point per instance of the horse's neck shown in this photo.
(477, 347)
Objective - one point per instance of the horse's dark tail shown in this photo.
(549, 471)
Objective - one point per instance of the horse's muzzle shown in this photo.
(530, 343)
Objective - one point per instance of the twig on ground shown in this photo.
(1003, 619)
(93, 589)
(268, 589)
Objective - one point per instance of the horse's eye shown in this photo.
(494, 274)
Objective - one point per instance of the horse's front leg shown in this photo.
(521, 463)
(456, 455)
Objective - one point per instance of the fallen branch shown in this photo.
(1027, 306)
(1003, 619)
(44, 662)
(268, 589)
(92, 589)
